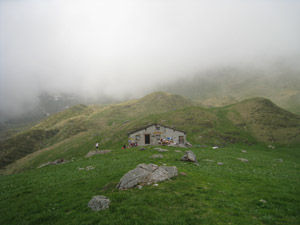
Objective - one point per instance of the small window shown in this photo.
(157, 128)
(137, 137)
(157, 137)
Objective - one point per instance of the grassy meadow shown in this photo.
(263, 191)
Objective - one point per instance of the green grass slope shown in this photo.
(262, 191)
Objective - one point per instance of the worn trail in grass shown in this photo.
(262, 191)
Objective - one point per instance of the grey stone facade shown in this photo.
(152, 135)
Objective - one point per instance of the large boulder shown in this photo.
(99, 202)
(146, 174)
(189, 156)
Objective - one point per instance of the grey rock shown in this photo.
(146, 174)
(98, 203)
(220, 163)
(243, 160)
(189, 156)
(155, 156)
(244, 151)
(163, 150)
(55, 162)
(178, 151)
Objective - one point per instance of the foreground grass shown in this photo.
(263, 191)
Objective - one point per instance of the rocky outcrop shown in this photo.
(189, 156)
(98, 203)
(55, 162)
(146, 174)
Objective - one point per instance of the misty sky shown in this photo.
(117, 47)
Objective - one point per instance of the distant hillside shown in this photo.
(73, 132)
(225, 86)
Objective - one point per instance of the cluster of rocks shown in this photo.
(55, 162)
(98, 203)
(97, 152)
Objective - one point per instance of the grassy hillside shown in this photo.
(75, 131)
(262, 191)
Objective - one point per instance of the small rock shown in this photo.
(215, 147)
(244, 151)
(155, 185)
(207, 160)
(163, 150)
(139, 187)
(271, 146)
(243, 160)
(220, 163)
(89, 168)
(98, 203)
(178, 151)
(80, 168)
(263, 201)
(183, 174)
(155, 156)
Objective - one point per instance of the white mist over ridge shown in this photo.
(116, 49)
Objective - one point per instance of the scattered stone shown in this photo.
(182, 174)
(139, 187)
(271, 146)
(55, 162)
(178, 151)
(243, 160)
(244, 151)
(157, 148)
(97, 152)
(155, 185)
(263, 201)
(80, 168)
(188, 144)
(146, 174)
(98, 203)
(207, 160)
(155, 156)
(215, 147)
(163, 150)
(189, 156)
(164, 164)
(89, 168)
(220, 163)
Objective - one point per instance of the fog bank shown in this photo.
(121, 48)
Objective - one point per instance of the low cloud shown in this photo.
(116, 48)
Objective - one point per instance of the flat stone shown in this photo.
(244, 151)
(155, 156)
(243, 160)
(163, 150)
(220, 163)
(98, 203)
(97, 152)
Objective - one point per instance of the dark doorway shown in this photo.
(147, 139)
(181, 140)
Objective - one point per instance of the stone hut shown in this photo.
(156, 134)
